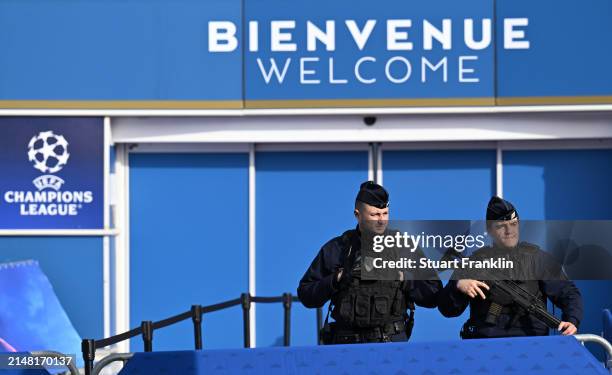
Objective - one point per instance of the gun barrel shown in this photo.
(527, 301)
(550, 320)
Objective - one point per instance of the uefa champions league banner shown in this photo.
(52, 173)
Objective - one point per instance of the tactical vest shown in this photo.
(367, 303)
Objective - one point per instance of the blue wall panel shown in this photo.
(559, 185)
(116, 50)
(568, 54)
(189, 243)
(452, 185)
(74, 268)
(565, 185)
(303, 200)
(438, 185)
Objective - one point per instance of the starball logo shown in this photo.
(49, 154)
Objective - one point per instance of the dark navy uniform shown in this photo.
(363, 310)
(535, 271)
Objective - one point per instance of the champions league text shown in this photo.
(398, 69)
(48, 203)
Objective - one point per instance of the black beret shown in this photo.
(373, 194)
(500, 209)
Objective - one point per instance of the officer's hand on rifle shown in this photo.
(567, 328)
(472, 287)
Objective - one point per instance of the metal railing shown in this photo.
(147, 327)
(587, 337)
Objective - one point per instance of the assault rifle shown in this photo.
(527, 301)
(508, 291)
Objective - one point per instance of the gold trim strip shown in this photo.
(120, 104)
(316, 103)
(348, 103)
(551, 100)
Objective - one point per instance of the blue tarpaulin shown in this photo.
(31, 316)
(559, 355)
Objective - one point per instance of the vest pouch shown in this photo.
(399, 307)
(397, 302)
(362, 310)
(347, 308)
(380, 310)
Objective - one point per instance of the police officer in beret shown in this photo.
(534, 270)
(364, 310)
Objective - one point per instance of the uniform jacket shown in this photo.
(531, 263)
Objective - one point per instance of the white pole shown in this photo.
(499, 170)
(252, 244)
(106, 223)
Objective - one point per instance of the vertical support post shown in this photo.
(374, 151)
(121, 261)
(287, 310)
(252, 243)
(196, 317)
(379, 164)
(106, 267)
(88, 348)
(147, 335)
(245, 299)
(499, 172)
